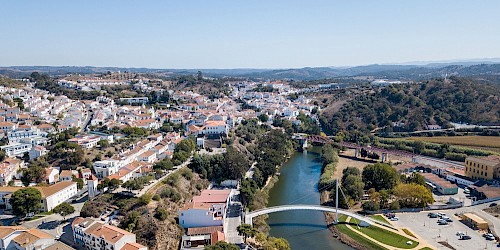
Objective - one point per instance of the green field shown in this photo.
(385, 236)
(491, 143)
(380, 218)
(355, 236)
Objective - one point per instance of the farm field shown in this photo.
(491, 143)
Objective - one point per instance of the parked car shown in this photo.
(487, 235)
(448, 219)
(394, 219)
(490, 237)
(465, 237)
(432, 215)
(459, 234)
(493, 204)
(442, 222)
(440, 215)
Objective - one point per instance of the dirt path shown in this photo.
(345, 161)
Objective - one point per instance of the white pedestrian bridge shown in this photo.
(364, 221)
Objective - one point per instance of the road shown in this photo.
(150, 186)
(87, 119)
(56, 225)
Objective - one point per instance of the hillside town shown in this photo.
(32, 121)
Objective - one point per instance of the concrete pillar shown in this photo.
(356, 152)
(384, 157)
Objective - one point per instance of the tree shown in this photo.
(25, 201)
(329, 154)
(2, 155)
(380, 176)
(236, 163)
(164, 164)
(222, 245)
(64, 209)
(114, 183)
(246, 231)
(263, 117)
(34, 173)
(413, 195)
(103, 143)
(416, 178)
(277, 244)
(353, 186)
(79, 182)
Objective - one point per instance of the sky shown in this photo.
(245, 34)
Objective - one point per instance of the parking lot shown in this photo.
(428, 229)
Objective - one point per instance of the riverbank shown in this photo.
(297, 184)
(330, 220)
(343, 161)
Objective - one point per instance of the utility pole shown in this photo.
(337, 201)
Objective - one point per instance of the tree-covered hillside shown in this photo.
(412, 107)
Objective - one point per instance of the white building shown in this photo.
(207, 209)
(86, 141)
(21, 238)
(215, 128)
(106, 168)
(16, 149)
(93, 234)
(51, 195)
(37, 151)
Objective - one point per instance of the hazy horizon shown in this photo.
(246, 35)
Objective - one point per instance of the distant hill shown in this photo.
(416, 105)
(483, 70)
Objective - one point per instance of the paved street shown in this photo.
(428, 229)
(233, 220)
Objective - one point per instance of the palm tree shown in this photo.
(246, 231)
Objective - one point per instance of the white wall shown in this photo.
(198, 218)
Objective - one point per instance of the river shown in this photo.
(298, 185)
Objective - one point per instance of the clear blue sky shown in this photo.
(245, 34)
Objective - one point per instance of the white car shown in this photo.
(394, 219)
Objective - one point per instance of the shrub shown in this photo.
(145, 199)
(156, 197)
(161, 214)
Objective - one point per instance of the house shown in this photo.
(51, 175)
(86, 141)
(105, 168)
(37, 151)
(33, 239)
(21, 238)
(8, 126)
(433, 127)
(135, 100)
(93, 234)
(202, 236)
(207, 209)
(215, 127)
(47, 128)
(51, 196)
(66, 175)
(9, 169)
(16, 149)
(148, 156)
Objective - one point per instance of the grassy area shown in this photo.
(385, 236)
(483, 142)
(355, 236)
(409, 233)
(380, 218)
